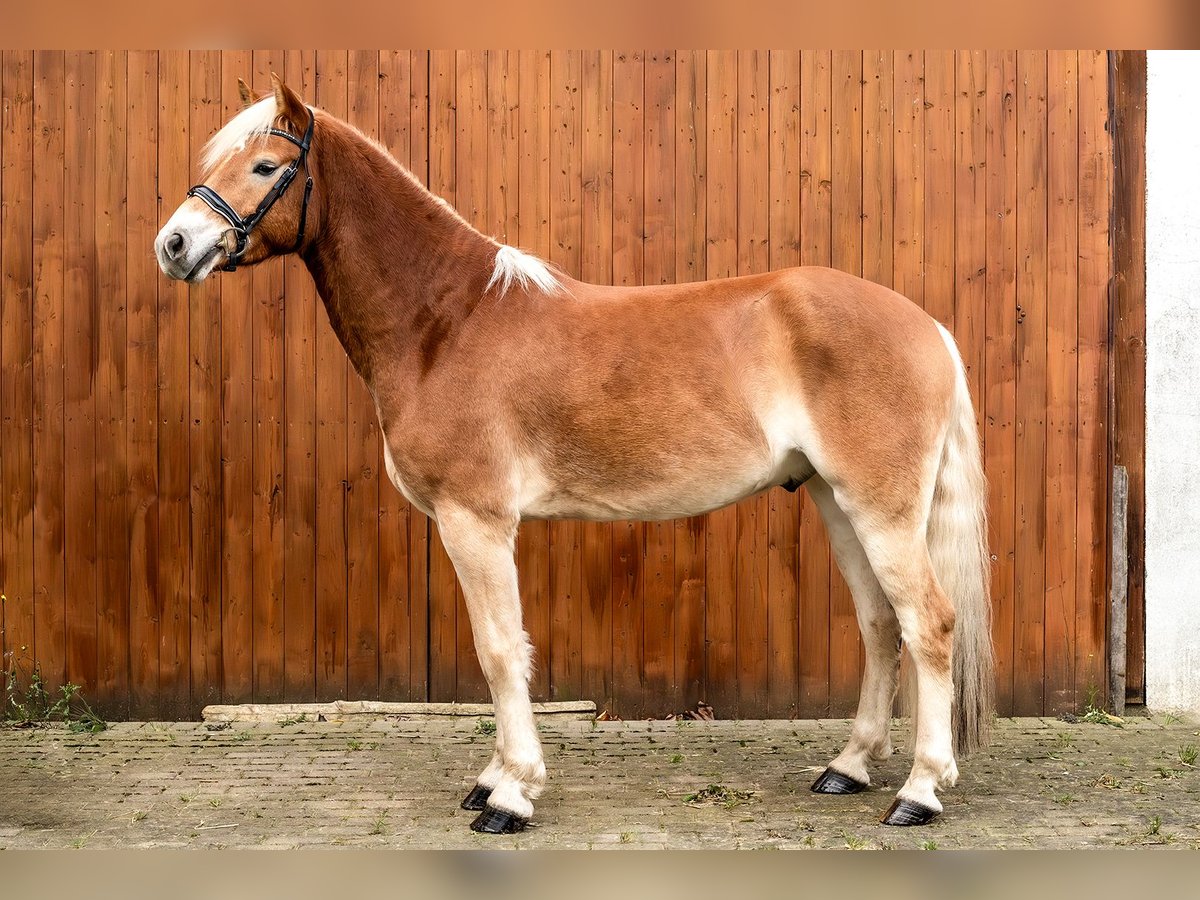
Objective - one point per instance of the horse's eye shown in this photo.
(264, 168)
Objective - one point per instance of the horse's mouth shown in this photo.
(204, 265)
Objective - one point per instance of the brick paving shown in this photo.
(396, 782)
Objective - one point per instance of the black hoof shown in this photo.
(477, 799)
(497, 821)
(905, 813)
(832, 782)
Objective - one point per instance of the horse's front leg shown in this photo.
(481, 547)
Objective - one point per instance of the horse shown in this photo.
(508, 390)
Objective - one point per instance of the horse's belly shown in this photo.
(676, 493)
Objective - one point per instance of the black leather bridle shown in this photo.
(242, 227)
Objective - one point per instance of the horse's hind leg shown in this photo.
(481, 548)
(869, 737)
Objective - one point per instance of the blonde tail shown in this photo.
(957, 536)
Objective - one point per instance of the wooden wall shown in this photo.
(193, 505)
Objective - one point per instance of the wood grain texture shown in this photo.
(193, 505)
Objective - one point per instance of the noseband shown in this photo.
(242, 227)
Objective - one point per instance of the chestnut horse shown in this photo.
(507, 390)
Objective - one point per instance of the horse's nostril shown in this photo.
(174, 245)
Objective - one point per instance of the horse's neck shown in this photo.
(390, 256)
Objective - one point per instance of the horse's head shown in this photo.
(253, 202)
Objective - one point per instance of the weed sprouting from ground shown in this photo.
(297, 720)
(1188, 754)
(718, 795)
(486, 726)
(28, 700)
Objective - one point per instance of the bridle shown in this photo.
(242, 227)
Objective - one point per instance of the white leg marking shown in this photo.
(482, 553)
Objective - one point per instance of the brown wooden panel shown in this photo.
(16, 354)
(595, 264)
(141, 399)
(470, 140)
(566, 235)
(533, 216)
(363, 475)
(193, 507)
(174, 473)
(783, 516)
(1000, 394)
(266, 350)
(332, 627)
(79, 322)
(721, 261)
(816, 185)
(1095, 199)
(658, 267)
(1029, 640)
(300, 318)
(1127, 78)
(691, 222)
(628, 541)
(397, 604)
(1062, 336)
(846, 205)
(112, 473)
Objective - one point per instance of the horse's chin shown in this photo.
(200, 270)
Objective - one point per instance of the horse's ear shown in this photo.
(289, 105)
(245, 93)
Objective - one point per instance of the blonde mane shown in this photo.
(251, 123)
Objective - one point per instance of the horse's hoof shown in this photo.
(477, 799)
(497, 821)
(832, 782)
(905, 812)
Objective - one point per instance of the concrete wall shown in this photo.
(1173, 382)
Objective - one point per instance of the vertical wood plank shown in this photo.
(595, 264)
(846, 206)
(1000, 396)
(1127, 80)
(877, 167)
(753, 223)
(332, 631)
(396, 600)
(444, 601)
(721, 261)
(939, 185)
(1031, 383)
(142, 368)
(363, 473)
(628, 543)
(691, 218)
(909, 152)
(300, 528)
(470, 182)
(112, 473)
(49, 649)
(266, 351)
(1062, 377)
(174, 473)
(816, 182)
(237, 444)
(970, 216)
(205, 417)
(783, 548)
(79, 320)
(658, 267)
(1095, 266)
(566, 236)
(419, 527)
(533, 207)
(17, 355)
